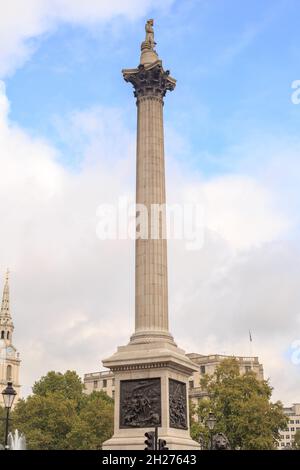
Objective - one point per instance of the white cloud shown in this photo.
(95, 10)
(239, 209)
(73, 295)
(64, 298)
(22, 21)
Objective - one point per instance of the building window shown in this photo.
(191, 384)
(247, 369)
(297, 421)
(287, 436)
(291, 421)
(95, 383)
(113, 394)
(202, 369)
(7, 336)
(9, 373)
(104, 383)
(292, 429)
(2, 334)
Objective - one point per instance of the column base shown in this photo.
(146, 337)
(138, 443)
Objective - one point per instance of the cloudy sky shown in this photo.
(67, 145)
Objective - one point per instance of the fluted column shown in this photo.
(151, 271)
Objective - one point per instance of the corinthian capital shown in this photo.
(150, 80)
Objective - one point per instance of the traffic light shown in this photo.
(162, 445)
(150, 440)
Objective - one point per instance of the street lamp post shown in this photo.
(211, 422)
(8, 394)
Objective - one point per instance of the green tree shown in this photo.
(2, 423)
(296, 443)
(199, 430)
(45, 420)
(59, 415)
(241, 404)
(69, 384)
(96, 414)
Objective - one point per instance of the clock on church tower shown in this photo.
(9, 357)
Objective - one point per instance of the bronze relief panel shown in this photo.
(140, 403)
(177, 404)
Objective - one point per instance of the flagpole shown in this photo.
(250, 344)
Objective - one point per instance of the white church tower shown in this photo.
(9, 357)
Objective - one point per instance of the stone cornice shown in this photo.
(157, 365)
(150, 80)
(177, 367)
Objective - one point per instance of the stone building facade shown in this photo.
(105, 380)
(287, 435)
(208, 365)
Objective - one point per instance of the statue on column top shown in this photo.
(149, 41)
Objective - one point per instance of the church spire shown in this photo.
(6, 323)
(10, 360)
(5, 307)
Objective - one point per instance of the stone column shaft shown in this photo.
(151, 273)
(150, 82)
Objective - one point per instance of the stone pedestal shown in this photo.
(151, 372)
(151, 389)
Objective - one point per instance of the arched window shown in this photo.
(9, 373)
(7, 336)
(2, 334)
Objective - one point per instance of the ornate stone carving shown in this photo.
(157, 365)
(220, 442)
(177, 404)
(140, 403)
(150, 81)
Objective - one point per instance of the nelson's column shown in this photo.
(151, 372)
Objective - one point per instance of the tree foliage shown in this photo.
(296, 443)
(69, 384)
(2, 424)
(96, 413)
(241, 404)
(59, 415)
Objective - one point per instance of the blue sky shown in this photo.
(67, 144)
(234, 62)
